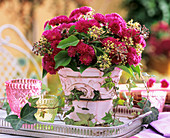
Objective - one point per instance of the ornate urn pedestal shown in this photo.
(89, 81)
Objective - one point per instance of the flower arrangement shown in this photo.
(159, 40)
(85, 39)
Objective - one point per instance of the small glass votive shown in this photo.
(47, 108)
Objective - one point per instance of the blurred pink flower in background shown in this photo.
(164, 83)
(150, 82)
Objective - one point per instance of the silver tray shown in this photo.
(59, 129)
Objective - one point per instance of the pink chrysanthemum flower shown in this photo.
(164, 83)
(150, 82)
(58, 20)
(84, 10)
(115, 27)
(100, 18)
(132, 57)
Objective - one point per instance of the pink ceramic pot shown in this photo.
(97, 108)
(91, 79)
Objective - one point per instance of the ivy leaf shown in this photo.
(69, 121)
(117, 122)
(142, 103)
(76, 94)
(115, 101)
(107, 74)
(70, 41)
(146, 108)
(69, 111)
(62, 59)
(152, 117)
(44, 73)
(7, 107)
(27, 114)
(15, 122)
(47, 27)
(33, 101)
(86, 117)
(108, 118)
(96, 95)
(121, 102)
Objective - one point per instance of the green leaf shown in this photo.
(142, 103)
(15, 122)
(69, 111)
(83, 122)
(47, 27)
(73, 65)
(44, 73)
(83, 68)
(96, 95)
(115, 101)
(44, 88)
(121, 102)
(70, 41)
(69, 121)
(72, 28)
(136, 69)
(33, 101)
(86, 117)
(107, 74)
(152, 117)
(7, 107)
(27, 114)
(127, 69)
(62, 59)
(108, 118)
(117, 122)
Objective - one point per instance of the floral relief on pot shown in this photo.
(91, 79)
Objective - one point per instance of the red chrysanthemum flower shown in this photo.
(52, 35)
(82, 26)
(72, 51)
(86, 59)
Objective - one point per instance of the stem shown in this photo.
(147, 89)
(114, 115)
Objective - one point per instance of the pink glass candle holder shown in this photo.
(156, 97)
(19, 91)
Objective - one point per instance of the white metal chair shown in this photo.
(12, 66)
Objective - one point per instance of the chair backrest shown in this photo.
(17, 61)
